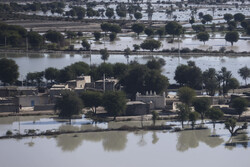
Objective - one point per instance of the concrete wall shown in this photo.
(44, 107)
(9, 107)
(30, 101)
(158, 101)
(137, 109)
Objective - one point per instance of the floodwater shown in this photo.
(123, 149)
(215, 42)
(39, 62)
(182, 14)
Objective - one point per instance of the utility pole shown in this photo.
(179, 53)
(27, 45)
(90, 54)
(104, 82)
(5, 42)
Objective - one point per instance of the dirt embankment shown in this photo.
(148, 53)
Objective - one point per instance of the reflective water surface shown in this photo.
(122, 148)
(39, 62)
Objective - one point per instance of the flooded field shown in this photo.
(215, 42)
(39, 62)
(141, 148)
(182, 12)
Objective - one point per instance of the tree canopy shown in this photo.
(232, 36)
(150, 44)
(244, 73)
(186, 95)
(173, 28)
(92, 99)
(201, 105)
(69, 104)
(203, 36)
(9, 71)
(240, 105)
(138, 28)
(114, 103)
(189, 75)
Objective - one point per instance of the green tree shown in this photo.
(79, 68)
(120, 70)
(114, 103)
(115, 28)
(109, 12)
(105, 27)
(97, 35)
(240, 105)
(138, 28)
(160, 31)
(231, 25)
(239, 17)
(192, 117)
(223, 77)
(137, 15)
(104, 54)
(139, 78)
(85, 44)
(203, 36)
(35, 76)
(112, 36)
(201, 105)
(244, 24)
(198, 28)
(54, 36)
(92, 99)
(189, 75)
(186, 95)
(51, 74)
(173, 28)
(68, 105)
(233, 83)
(150, 44)
(230, 125)
(244, 73)
(35, 39)
(155, 64)
(207, 18)
(149, 31)
(136, 47)
(214, 114)
(182, 112)
(210, 81)
(9, 71)
(232, 36)
(228, 17)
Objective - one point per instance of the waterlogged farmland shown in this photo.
(139, 148)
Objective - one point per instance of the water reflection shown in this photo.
(68, 142)
(142, 142)
(155, 138)
(191, 138)
(111, 141)
(241, 140)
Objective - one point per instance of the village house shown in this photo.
(158, 101)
